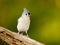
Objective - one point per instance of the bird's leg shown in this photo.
(21, 32)
(18, 33)
(27, 34)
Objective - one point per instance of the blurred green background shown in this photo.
(45, 18)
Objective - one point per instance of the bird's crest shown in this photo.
(25, 11)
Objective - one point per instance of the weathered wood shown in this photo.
(13, 38)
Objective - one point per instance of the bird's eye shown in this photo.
(28, 13)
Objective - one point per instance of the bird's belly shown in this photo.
(23, 25)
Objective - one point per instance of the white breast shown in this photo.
(23, 24)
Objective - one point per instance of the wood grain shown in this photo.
(13, 38)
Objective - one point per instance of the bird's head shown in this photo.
(26, 12)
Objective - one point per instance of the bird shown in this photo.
(24, 22)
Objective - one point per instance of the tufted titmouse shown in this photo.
(24, 22)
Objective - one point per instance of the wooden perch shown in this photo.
(13, 38)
